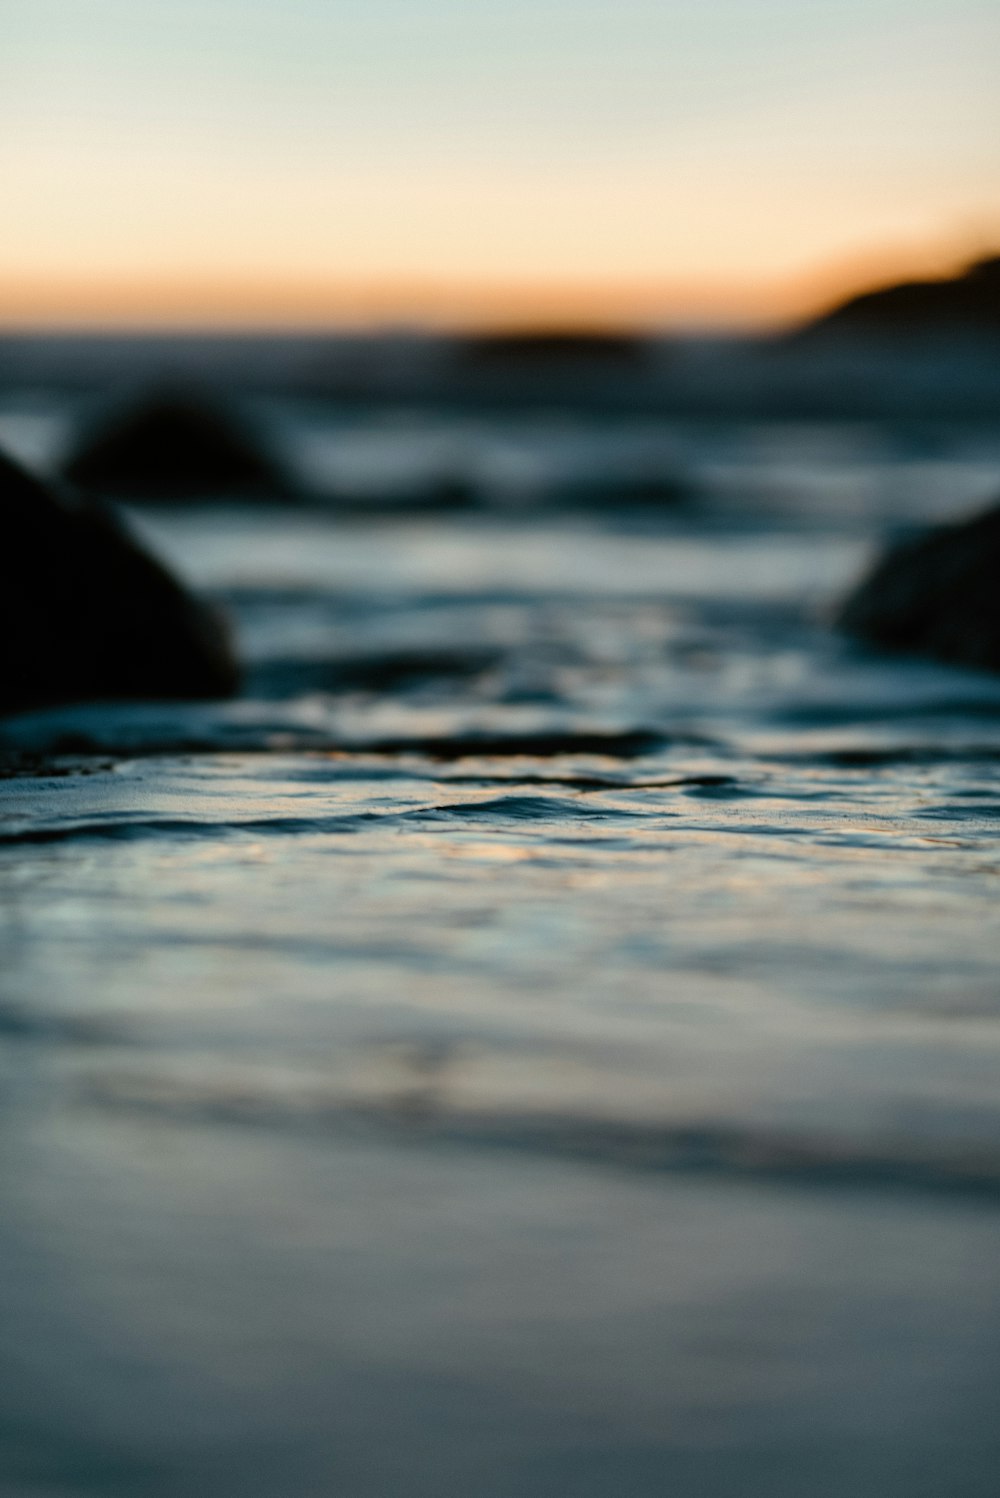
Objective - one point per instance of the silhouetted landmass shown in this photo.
(575, 369)
(937, 595)
(87, 614)
(962, 305)
(557, 350)
(174, 447)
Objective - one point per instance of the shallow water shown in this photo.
(543, 1039)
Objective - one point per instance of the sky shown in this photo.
(255, 162)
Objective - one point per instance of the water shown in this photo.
(543, 1039)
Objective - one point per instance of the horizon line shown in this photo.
(205, 302)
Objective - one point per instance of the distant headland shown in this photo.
(961, 305)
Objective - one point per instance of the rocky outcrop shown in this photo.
(960, 306)
(936, 595)
(174, 447)
(87, 614)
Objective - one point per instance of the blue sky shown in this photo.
(713, 142)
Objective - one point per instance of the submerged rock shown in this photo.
(173, 447)
(87, 614)
(936, 595)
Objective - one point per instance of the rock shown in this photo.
(964, 305)
(568, 370)
(555, 350)
(936, 595)
(86, 613)
(173, 447)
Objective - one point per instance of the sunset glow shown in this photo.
(239, 163)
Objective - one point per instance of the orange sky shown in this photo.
(322, 162)
(169, 300)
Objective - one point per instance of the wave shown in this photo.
(695, 1148)
(517, 809)
(547, 809)
(130, 829)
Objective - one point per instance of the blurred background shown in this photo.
(375, 182)
(379, 210)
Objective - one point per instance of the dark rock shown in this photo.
(172, 447)
(566, 370)
(86, 613)
(556, 349)
(963, 305)
(936, 595)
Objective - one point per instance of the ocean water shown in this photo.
(543, 1038)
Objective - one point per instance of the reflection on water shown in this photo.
(542, 1040)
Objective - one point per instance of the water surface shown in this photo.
(543, 1038)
